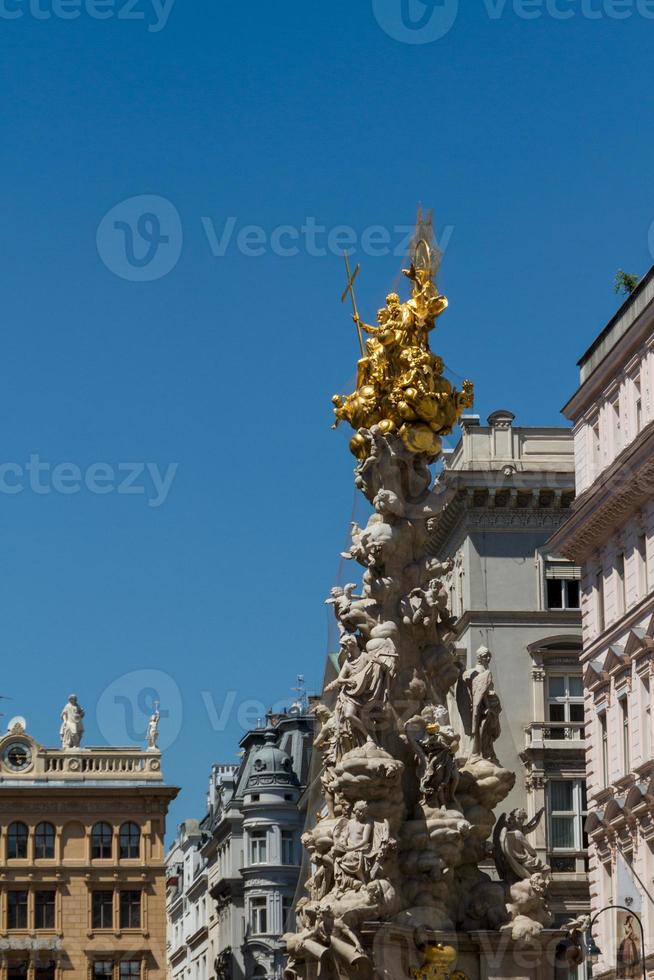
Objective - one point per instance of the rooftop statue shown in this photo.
(400, 384)
(72, 726)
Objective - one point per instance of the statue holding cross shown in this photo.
(400, 385)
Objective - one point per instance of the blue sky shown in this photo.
(530, 138)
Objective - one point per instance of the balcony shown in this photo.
(556, 735)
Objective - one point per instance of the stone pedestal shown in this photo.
(481, 955)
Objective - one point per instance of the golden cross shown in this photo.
(351, 277)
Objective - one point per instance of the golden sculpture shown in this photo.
(400, 385)
(437, 962)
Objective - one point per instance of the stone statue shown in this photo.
(435, 744)
(72, 726)
(152, 734)
(514, 855)
(362, 690)
(353, 612)
(525, 876)
(480, 707)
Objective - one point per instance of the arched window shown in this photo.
(44, 841)
(130, 840)
(17, 840)
(101, 840)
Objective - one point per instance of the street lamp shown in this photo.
(593, 952)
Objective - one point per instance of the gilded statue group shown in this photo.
(407, 736)
(400, 385)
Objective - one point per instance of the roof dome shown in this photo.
(270, 766)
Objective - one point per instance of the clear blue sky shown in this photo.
(531, 138)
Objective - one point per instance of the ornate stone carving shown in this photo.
(409, 772)
(525, 876)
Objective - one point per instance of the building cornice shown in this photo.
(632, 324)
(507, 617)
(461, 518)
(613, 498)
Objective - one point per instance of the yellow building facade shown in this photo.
(82, 876)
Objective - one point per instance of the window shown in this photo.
(626, 748)
(604, 737)
(102, 910)
(562, 584)
(44, 910)
(258, 847)
(641, 551)
(17, 840)
(647, 719)
(45, 970)
(259, 915)
(130, 909)
(130, 969)
(17, 910)
(567, 807)
(597, 448)
(599, 600)
(617, 426)
(565, 694)
(621, 590)
(130, 840)
(287, 912)
(16, 971)
(101, 840)
(44, 841)
(103, 970)
(638, 405)
(288, 849)
(563, 593)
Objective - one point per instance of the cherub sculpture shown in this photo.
(361, 846)
(353, 612)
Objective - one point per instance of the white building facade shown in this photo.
(511, 487)
(187, 906)
(232, 877)
(610, 533)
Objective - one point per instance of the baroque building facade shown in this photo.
(510, 487)
(81, 858)
(232, 877)
(610, 533)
